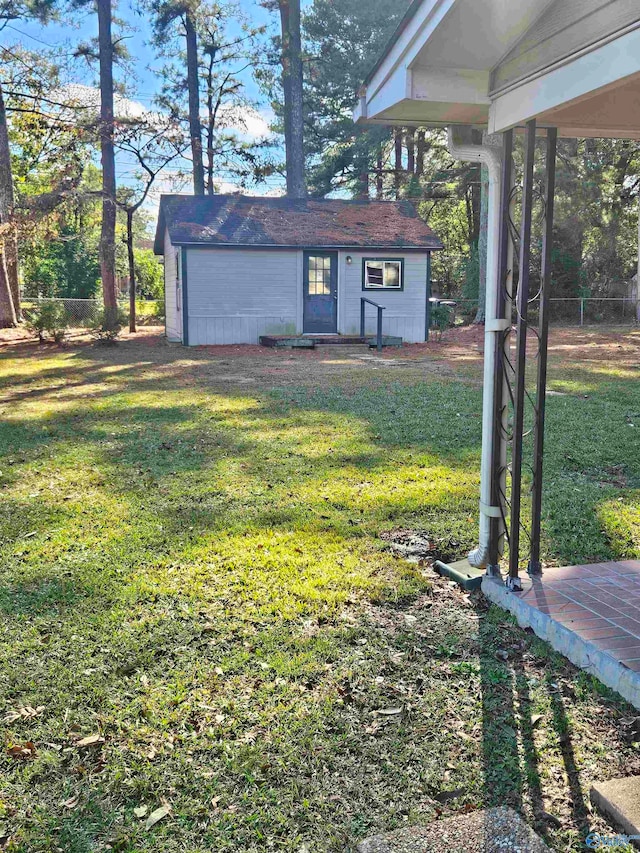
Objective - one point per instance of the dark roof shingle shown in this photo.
(236, 220)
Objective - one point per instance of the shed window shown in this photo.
(383, 274)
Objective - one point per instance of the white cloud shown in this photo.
(77, 94)
(251, 124)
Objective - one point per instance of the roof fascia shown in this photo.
(310, 247)
(158, 240)
(570, 81)
(409, 40)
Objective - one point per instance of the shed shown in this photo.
(240, 267)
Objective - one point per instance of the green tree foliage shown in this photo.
(12, 10)
(224, 42)
(60, 249)
(67, 267)
(343, 38)
(595, 239)
(149, 274)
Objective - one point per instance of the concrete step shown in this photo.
(311, 341)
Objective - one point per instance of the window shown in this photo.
(383, 274)
(319, 275)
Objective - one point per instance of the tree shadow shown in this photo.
(517, 741)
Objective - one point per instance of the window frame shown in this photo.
(384, 260)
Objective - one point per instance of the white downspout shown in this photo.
(491, 157)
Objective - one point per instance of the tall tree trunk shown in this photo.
(362, 189)
(132, 272)
(7, 311)
(397, 174)
(193, 85)
(286, 87)
(411, 151)
(293, 97)
(421, 150)
(210, 125)
(108, 232)
(9, 303)
(379, 174)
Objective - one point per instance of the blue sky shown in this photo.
(64, 38)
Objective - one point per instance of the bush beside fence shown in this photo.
(83, 312)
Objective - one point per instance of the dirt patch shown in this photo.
(417, 546)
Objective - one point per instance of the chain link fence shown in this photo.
(82, 312)
(563, 311)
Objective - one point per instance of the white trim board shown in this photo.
(611, 64)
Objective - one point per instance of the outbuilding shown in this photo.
(239, 267)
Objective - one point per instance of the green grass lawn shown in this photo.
(191, 570)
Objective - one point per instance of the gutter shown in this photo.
(490, 156)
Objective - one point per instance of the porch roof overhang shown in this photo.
(496, 64)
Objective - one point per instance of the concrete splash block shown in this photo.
(583, 653)
(462, 573)
(498, 830)
(619, 800)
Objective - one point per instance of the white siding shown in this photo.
(173, 322)
(236, 295)
(405, 311)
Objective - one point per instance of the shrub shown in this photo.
(50, 317)
(107, 324)
(441, 319)
(150, 313)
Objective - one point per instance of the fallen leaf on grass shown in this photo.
(27, 750)
(91, 740)
(535, 720)
(157, 816)
(388, 712)
(26, 713)
(141, 811)
(72, 802)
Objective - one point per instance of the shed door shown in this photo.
(321, 292)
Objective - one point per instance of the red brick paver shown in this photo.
(600, 603)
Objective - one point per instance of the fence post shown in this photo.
(362, 308)
(582, 311)
(379, 329)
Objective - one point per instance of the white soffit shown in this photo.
(437, 70)
(593, 94)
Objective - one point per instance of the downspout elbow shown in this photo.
(470, 152)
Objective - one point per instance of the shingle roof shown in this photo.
(236, 220)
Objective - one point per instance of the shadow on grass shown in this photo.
(520, 732)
